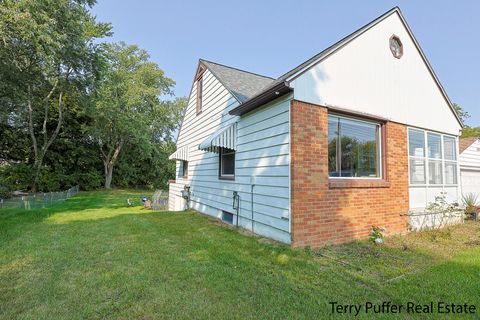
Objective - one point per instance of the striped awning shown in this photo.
(226, 137)
(180, 154)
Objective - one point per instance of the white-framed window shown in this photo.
(227, 164)
(354, 148)
(432, 158)
(183, 170)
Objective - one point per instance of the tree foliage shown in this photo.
(66, 97)
(464, 115)
(471, 132)
(48, 53)
(128, 110)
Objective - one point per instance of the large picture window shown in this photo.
(227, 164)
(432, 158)
(353, 148)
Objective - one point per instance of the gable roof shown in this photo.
(465, 143)
(243, 85)
(270, 90)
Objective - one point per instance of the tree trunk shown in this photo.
(38, 166)
(108, 175)
(39, 155)
(109, 161)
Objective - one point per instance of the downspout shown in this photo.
(236, 205)
(290, 171)
(251, 203)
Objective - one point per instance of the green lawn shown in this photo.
(94, 258)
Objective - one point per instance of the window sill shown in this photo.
(357, 183)
(226, 178)
(433, 185)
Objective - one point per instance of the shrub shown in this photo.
(5, 192)
(16, 176)
(470, 200)
(441, 206)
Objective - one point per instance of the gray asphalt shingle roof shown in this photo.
(242, 84)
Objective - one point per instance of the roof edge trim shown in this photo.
(264, 97)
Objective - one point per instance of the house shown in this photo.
(361, 134)
(469, 162)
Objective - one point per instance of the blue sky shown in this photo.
(272, 37)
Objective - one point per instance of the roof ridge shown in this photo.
(238, 69)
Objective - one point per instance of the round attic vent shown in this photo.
(396, 46)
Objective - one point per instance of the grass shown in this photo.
(93, 257)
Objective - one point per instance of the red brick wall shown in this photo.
(328, 211)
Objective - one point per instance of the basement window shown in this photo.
(227, 217)
(227, 164)
(354, 148)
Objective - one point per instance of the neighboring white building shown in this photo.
(381, 141)
(469, 161)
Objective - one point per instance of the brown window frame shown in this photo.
(199, 94)
(223, 176)
(361, 182)
(390, 44)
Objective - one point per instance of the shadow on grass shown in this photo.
(163, 264)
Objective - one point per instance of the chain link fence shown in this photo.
(38, 200)
(160, 200)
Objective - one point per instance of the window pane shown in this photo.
(332, 146)
(183, 170)
(417, 171)
(434, 146)
(228, 163)
(450, 149)
(359, 149)
(434, 172)
(416, 143)
(450, 173)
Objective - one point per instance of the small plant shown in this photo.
(376, 235)
(442, 211)
(439, 214)
(470, 200)
(308, 250)
(441, 206)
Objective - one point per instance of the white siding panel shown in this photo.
(469, 161)
(262, 158)
(265, 151)
(422, 196)
(470, 157)
(364, 76)
(470, 181)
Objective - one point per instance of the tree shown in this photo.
(48, 53)
(467, 130)
(128, 110)
(470, 132)
(462, 114)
